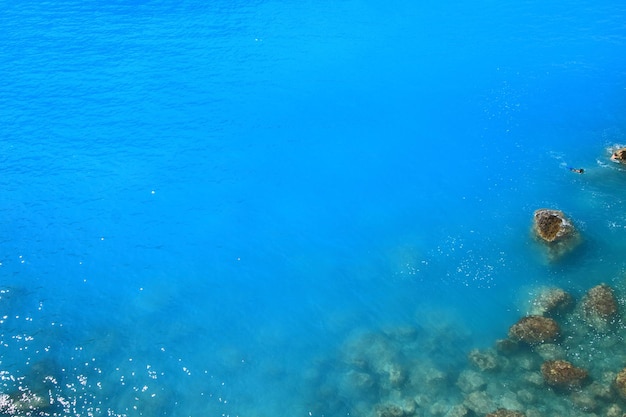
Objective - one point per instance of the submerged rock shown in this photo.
(483, 360)
(619, 155)
(470, 381)
(458, 410)
(507, 346)
(620, 383)
(614, 410)
(584, 401)
(503, 412)
(600, 306)
(550, 351)
(551, 302)
(562, 374)
(389, 410)
(535, 329)
(23, 403)
(479, 402)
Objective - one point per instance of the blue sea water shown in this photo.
(202, 202)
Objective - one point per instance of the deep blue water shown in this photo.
(201, 202)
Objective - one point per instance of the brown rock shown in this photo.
(620, 383)
(562, 374)
(619, 155)
(503, 412)
(600, 302)
(535, 329)
(551, 225)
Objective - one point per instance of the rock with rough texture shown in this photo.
(535, 329)
(619, 155)
(551, 302)
(556, 231)
(562, 374)
(600, 306)
(551, 225)
(620, 383)
(503, 412)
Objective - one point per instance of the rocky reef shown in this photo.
(565, 357)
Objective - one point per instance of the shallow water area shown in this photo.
(322, 209)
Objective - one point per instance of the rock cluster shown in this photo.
(553, 363)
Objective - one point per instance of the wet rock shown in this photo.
(554, 229)
(620, 383)
(535, 329)
(483, 360)
(551, 225)
(600, 306)
(619, 155)
(562, 374)
(503, 412)
(551, 302)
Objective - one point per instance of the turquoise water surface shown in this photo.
(209, 208)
